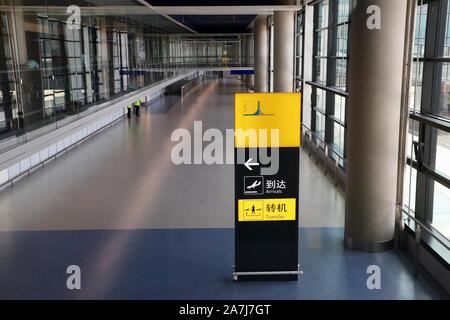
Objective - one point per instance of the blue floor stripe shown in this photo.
(190, 264)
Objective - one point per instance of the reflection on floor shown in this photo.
(142, 227)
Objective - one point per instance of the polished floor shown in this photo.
(141, 227)
(124, 178)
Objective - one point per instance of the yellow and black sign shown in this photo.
(267, 130)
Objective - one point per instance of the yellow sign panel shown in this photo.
(260, 116)
(267, 210)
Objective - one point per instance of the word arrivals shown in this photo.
(275, 186)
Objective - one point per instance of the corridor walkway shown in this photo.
(141, 227)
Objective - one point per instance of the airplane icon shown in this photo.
(254, 185)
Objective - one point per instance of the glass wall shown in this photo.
(428, 145)
(329, 74)
(62, 59)
(299, 45)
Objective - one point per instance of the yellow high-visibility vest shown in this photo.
(137, 103)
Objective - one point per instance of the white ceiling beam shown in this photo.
(148, 5)
(223, 10)
(165, 11)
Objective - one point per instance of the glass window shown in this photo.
(415, 92)
(441, 209)
(330, 69)
(430, 99)
(443, 107)
(412, 136)
(320, 125)
(339, 108)
(321, 100)
(409, 189)
(443, 152)
(338, 138)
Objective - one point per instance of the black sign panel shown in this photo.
(266, 218)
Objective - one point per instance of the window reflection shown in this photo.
(52, 73)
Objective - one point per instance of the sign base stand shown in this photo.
(268, 275)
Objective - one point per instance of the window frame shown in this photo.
(423, 159)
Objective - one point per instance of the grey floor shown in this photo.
(124, 178)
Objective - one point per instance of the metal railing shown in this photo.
(30, 125)
(57, 154)
(321, 147)
(189, 85)
(405, 218)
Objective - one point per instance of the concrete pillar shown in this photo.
(104, 54)
(261, 53)
(19, 31)
(375, 86)
(283, 64)
(251, 81)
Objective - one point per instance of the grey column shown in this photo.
(261, 53)
(283, 55)
(375, 86)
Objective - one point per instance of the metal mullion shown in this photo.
(314, 71)
(430, 50)
(423, 185)
(430, 134)
(352, 6)
(331, 71)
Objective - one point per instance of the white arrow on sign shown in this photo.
(249, 164)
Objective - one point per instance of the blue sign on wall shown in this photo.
(240, 72)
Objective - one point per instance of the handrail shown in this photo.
(316, 136)
(190, 84)
(433, 232)
(78, 111)
(328, 147)
(328, 89)
(432, 120)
